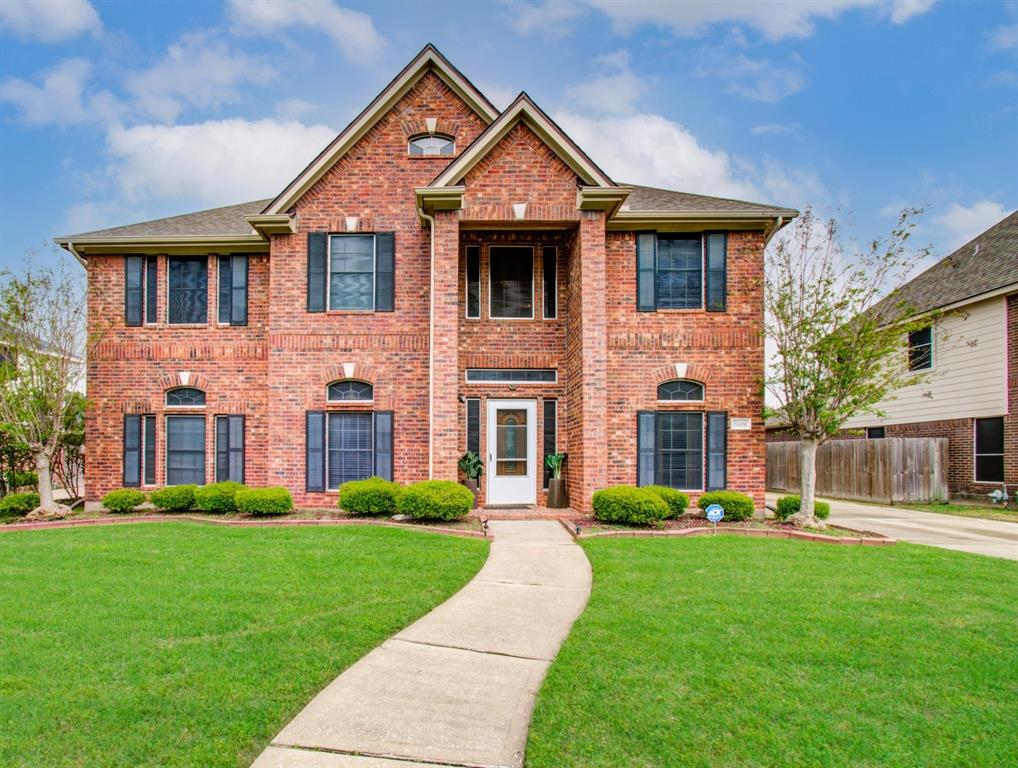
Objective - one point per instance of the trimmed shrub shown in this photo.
(174, 498)
(18, 504)
(789, 505)
(22, 479)
(436, 500)
(627, 504)
(677, 501)
(737, 506)
(123, 500)
(274, 500)
(218, 498)
(373, 496)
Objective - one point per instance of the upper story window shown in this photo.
(511, 282)
(350, 391)
(141, 289)
(233, 290)
(432, 146)
(185, 397)
(681, 271)
(920, 349)
(188, 295)
(680, 390)
(354, 272)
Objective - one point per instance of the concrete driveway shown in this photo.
(994, 538)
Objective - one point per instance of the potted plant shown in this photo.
(557, 498)
(472, 467)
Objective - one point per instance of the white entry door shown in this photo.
(512, 451)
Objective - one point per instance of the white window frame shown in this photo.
(553, 382)
(533, 287)
(412, 139)
(975, 427)
(466, 284)
(328, 270)
(185, 407)
(544, 284)
(703, 280)
(933, 346)
(166, 292)
(703, 448)
(166, 447)
(349, 402)
(703, 388)
(327, 460)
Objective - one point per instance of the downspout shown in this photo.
(431, 345)
(778, 223)
(75, 254)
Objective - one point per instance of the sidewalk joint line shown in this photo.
(470, 650)
(381, 756)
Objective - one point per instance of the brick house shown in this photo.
(969, 353)
(442, 277)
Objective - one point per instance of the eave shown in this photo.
(182, 246)
(431, 199)
(273, 223)
(608, 199)
(767, 220)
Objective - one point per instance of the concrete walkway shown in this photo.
(457, 687)
(995, 538)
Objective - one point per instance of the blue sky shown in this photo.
(112, 113)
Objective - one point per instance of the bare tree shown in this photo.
(839, 332)
(44, 342)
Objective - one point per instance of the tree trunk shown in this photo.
(807, 485)
(42, 460)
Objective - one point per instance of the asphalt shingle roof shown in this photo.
(228, 220)
(667, 200)
(986, 263)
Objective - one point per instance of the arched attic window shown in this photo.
(350, 391)
(680, 390)
(432, 145)
(185, 397)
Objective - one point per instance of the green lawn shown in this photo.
(752, 652)
(174, 644)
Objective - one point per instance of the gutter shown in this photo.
(81, 260)
(431, 345)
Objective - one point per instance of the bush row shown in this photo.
(427, 500)
(218, 498)
(789, 505)
(652, 503)
(18, 504)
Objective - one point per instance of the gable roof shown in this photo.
(986, 264)
(228, 220)
(523, 109)
(428, 60)
(653, 199)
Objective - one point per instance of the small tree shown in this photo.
(839, 341)
(69, 463)
(44, 340)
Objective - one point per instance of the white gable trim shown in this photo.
(427, 60)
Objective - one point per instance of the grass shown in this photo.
(182, 645)
(965, 510)
(734, 651)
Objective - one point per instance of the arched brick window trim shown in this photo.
(691, 372)
(418, 127)
(183, 379)
(354, 371)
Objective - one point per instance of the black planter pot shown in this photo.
(557, 497)
(473, 486)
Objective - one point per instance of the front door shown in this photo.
(512, 451)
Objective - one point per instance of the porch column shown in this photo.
(587, 351)
(445, 347)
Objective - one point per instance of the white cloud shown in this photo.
(547, 18)
(217, 162)
(58, 99)
(499, 95)
(293, 109)
(197, 71)
(49, 21)
(353, 32)
(1004, 38)
(962, 223)
(756, 79)
(774, 129)
(775, 19)
(616, 90)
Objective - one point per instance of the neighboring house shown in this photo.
(970, 353)
(442, 277)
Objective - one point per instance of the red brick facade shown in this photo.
(609, 358)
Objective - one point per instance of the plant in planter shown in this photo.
(557, 498)
(472, 467)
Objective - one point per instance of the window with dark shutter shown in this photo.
(133, 287)
(188, 290)
(233, 290)
(315, 451)
(350, 448)
(679, 446)
(352, 272)
(550, 269)
(989, 450)
(132, 451)
(474, 425)
(679, 276)
(151, 289)
(717, 450)
(550, 435)
(149, 461)
(385, 272)
(717, 271)
(646, 259)
(383, 444)
(646, 452)
(185, 450)
(230, 448)
(473, 298)
(511, 282)
(317, 263)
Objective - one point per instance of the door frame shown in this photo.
(525, 494)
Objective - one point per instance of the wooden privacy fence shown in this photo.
(888, 470)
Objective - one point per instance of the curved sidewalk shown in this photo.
(457, 687)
